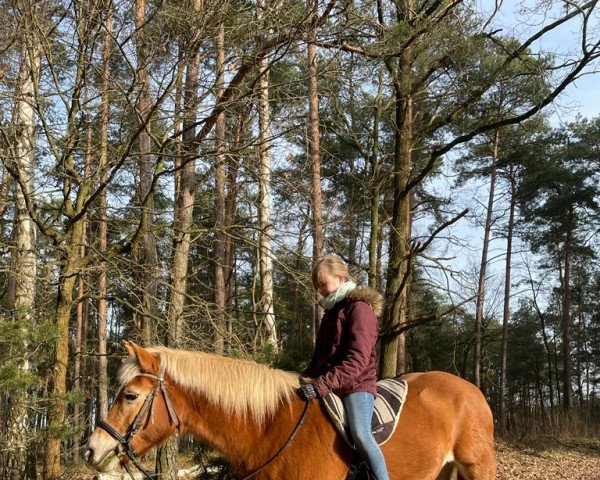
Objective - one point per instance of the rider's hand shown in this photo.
(308, 391)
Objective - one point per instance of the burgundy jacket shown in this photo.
(344, 360)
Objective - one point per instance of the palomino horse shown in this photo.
(251, 414)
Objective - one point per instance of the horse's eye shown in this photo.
(130, 396)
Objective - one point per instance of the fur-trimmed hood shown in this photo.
(369, 295)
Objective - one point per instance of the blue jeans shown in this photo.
(359, 408)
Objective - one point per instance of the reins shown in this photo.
(286, 444)
(124, 448)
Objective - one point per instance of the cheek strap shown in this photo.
(124, 448)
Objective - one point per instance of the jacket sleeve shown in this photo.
(362, 336)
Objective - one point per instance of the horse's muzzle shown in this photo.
(100, 454)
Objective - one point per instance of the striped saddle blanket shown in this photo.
(391, 394)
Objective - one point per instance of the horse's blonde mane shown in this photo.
(238, 386)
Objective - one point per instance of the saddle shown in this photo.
(391, 394)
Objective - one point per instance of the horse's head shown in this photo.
(141, 416)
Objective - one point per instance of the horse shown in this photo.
(252, 414)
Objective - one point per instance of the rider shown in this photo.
(344, 360)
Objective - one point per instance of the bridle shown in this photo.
(124, 448)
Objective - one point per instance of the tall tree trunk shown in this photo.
(506, 311)
(185, 192)
(4, 190)
(70, 261)
(79, 369)
(230, 209)
(220, 292)
(566, 317)
(548, 349)
(489, 217)
(375, 191)
(24, 255)
(102, 221)
(70, 267)
(265, 225)
(580, 351)
(298, 317)
(178, 113)
(145, 251)
(184, 206)
(314, 156)
(393, 346)
(82, 313)
(559, 392)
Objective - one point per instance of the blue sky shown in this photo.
(521, 18)
(462, 245)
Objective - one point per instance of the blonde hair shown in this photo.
(331, 264)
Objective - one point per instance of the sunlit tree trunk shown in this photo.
(184, 206)
(79, 369)
(220, 292)
(24, 255)
(102, 220)
(178, 113)
(375, 192)
(314, 155)
(70, 262)
(71, 265)
(185, 192)
(231, 199)
(145, 251)
(265, 225)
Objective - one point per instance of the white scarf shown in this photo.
(330, 300)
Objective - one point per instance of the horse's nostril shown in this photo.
(89, 455)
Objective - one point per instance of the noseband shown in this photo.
(124, 448)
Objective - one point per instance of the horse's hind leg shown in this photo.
(449, 472)
(474, 449)
(481, 468)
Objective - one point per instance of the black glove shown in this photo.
(308, 391)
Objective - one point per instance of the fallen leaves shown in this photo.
(549, 459)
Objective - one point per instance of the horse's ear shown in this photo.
(130, 347)
(148, 362)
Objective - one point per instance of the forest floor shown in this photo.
(549, 458)
(546, 458)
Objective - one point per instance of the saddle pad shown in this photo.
(391, 394)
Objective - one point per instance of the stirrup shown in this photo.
(360, 471)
